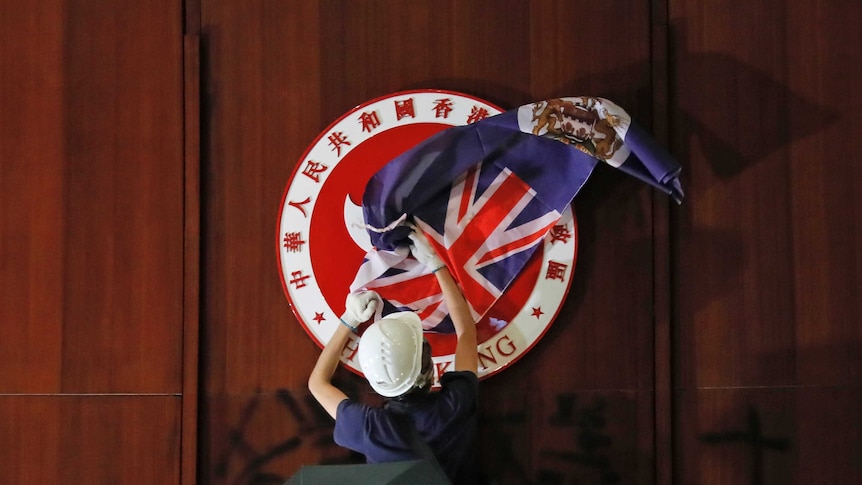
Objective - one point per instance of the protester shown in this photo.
(396, 360)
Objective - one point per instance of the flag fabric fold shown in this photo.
(488, 193)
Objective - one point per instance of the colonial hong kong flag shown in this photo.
(486, 194)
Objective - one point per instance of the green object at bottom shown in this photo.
(417, 472)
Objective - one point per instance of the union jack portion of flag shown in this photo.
(486, 195)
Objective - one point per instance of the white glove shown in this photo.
(359, 307)
(423, 251)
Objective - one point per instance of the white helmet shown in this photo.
(390, 353)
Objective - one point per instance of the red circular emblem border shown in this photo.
(318, 254)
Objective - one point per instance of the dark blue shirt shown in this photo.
(446, 420)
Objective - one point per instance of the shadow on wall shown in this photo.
(803, 430)
(271, 435)
(770, 115)
(749, 435)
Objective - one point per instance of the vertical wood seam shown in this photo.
(191, 258)
(662, 257)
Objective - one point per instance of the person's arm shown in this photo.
(358, 309)
(466, 349)
(320, 380)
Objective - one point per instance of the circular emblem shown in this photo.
(321, 244)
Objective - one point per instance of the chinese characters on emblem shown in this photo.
(293, 242)
(369, 121)
(298, 279)
(442, 108)
(477, 114)
(313, 170)
(298, 205)
(404, 109)
(337, 139)
(560, 233)
(556, 271)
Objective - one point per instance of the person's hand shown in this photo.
(423, 251)
(359, 307)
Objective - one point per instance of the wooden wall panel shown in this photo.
(768, 242)
(191, 257)
(765, 115)
(123, 199)
(276, 74)
(90, 439)
(31, 202)
(91, 241)
(92, 188)
(766, 277)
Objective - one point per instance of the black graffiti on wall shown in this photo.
(592, 442)
(585, 457)
(502, 430)
(752, 436)
(245, 462)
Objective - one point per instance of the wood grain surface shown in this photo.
(144, 333)
(766, 119)
(91, 241)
